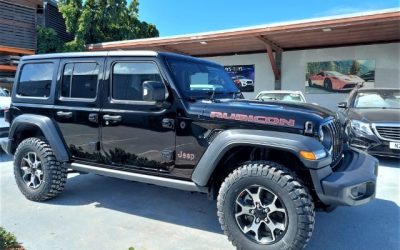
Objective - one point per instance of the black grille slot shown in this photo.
(388, 132)
(335, 129)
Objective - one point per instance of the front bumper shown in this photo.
(373, 145)
(351, 183)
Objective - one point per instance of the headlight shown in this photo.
(361, 127)
(325, 137)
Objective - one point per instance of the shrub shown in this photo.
(8, 240)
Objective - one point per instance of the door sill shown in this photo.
(150, 179)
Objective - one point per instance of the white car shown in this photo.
(243, 82)
(5, 101)
(281, 95)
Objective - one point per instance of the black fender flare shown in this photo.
(228, 139)
(48, 129)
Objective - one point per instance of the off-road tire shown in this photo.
(54, 174)
(282, 181)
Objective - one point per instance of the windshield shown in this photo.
(3, 93)
(333, 73)
(289, 97)
(200, 79)
(378, 99)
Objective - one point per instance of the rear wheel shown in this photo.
(328, 84)
(262, 206)
(38, 174)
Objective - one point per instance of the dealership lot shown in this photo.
(97, 212)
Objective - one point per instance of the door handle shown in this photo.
(114, 118)
(64, 114)
(168, 123)
(93, 117)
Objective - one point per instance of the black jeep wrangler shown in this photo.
(180, 122)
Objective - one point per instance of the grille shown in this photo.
(388, 132)
(335, 129)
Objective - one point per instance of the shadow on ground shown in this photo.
(370, 226)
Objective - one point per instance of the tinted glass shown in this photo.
(35, 80)
(195, 78)
(80, 80)
(385, 99)
(128, 79)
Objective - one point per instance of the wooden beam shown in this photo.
(15, 51)
(274, 66)
(268, 42)
(169, 49)
(8, 68)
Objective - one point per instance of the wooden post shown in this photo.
(275, 60)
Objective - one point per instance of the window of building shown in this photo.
(35, 80)
(128, 79)
(80, 80)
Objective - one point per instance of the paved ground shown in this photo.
(103, 213)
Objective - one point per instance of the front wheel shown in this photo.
(261, 205)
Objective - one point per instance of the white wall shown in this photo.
(387, 67)
(386, 56)
(263, 78)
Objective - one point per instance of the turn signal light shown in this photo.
(308, 155)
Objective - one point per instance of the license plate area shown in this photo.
(394, 145)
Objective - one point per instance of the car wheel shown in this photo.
(310, 83)
(261, 205)
(328, 84)
(38, 174)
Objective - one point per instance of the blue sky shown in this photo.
(177, 17)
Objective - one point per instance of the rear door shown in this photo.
(77, 106)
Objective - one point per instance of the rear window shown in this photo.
(80, 80)
(35, 80)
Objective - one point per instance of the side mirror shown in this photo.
(342, 105)
(154, 91)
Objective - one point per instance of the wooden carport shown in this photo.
(346, 30)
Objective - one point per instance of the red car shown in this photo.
(333, 80)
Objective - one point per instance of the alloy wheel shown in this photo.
(261, 215)
(31, 170)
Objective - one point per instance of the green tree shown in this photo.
(355, 68)
(71, 10)
(48, 41)
(103, 21)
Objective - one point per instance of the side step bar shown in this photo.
(150, 179)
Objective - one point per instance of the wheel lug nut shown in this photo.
(252, 211)
(257, 220)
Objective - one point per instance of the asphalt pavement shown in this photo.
(96, 212)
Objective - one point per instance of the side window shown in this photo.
(128, 79)
(80, 80)
(35, 80)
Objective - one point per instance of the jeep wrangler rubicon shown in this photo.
(180, 122)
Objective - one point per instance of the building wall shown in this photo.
(17, 24)
(387, 68)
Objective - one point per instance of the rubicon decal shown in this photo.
(269, 120)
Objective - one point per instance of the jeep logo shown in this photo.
(269, 120)
(186, 156)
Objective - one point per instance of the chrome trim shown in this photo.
(384, 124)
(150, 179)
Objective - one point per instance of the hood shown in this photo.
(350, 78)
(375, 115)
(5, 102)
(272, 114)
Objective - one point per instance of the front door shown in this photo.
(77, 107)
(136, 135)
